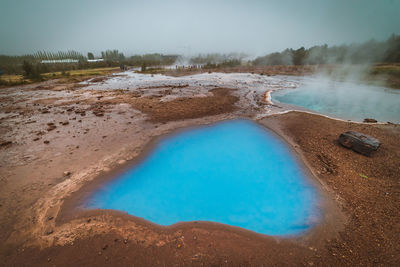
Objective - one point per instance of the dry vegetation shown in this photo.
(11, 80)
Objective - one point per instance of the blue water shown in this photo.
(345, 100)
(233, 172)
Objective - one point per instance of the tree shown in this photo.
(30, 71)
(299, 56)
(90, 55)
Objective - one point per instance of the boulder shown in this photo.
(359, 142)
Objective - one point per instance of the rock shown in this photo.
(369, 120)
(358, 142)
(98, 112)
(51, 127)
(105, 247)
(46, 142)
(49, 232)
(81, 112)
(67, 173)
(5, 143)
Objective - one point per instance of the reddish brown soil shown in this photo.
(369, 187)
(94, 127)
(370, 236)
(187, 108)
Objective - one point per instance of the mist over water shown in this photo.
(348, 99)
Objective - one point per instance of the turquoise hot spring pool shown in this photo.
(233, 172)
(344, 100)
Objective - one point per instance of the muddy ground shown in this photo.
(57, 138)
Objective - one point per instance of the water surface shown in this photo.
(345, 100)
(234, 172)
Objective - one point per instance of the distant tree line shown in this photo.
(151, 60)
(224, 64)
(31, 65)
(369, 52)
(217, 59)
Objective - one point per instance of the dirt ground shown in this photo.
(58, 138)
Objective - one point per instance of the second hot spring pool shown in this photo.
(234, 172)
(344, 100)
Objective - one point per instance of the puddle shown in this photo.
(233, 172)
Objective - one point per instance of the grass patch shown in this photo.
(389, 73)
(12, 80)
(389, 69)
(152, 71)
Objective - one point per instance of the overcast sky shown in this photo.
(191, 27)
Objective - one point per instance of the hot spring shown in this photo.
(344, 100)
(233, 172)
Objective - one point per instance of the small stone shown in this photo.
(122, 161)
(67, 173)
(51, 128)
(369, 120)
(46, 142)
(105, 247)
(50, 218)
(6, 143)
(49, 232)
(125, 241)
